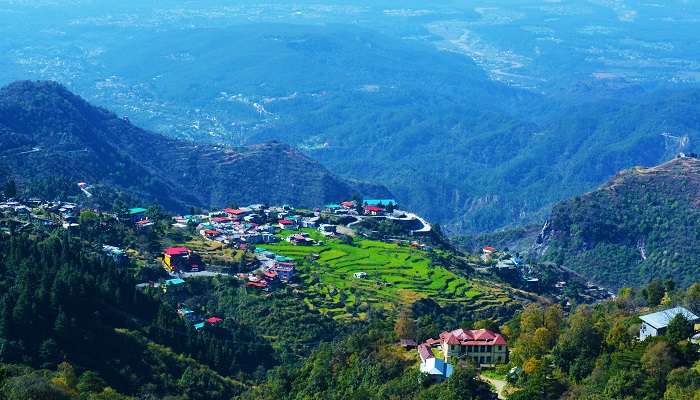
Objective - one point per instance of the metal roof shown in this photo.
(660, 319)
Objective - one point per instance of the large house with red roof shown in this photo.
(482, 346)
(181, 259)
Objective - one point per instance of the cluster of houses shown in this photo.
(373, 207)
(274, 270)
(196, 320)
(251, 225)
(182, 259)
(35, 212)
(482, 347)
(514, 269)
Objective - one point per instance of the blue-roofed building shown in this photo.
(437, 368)
(655, 324)
(378, 202)
(199, 326)
(137, 214)
(175, 282)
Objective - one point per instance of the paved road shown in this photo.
(409, 216)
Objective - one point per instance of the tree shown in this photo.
(531, 318)
(654, 291)
(658, 359)
(90, 382)
(405, 326)
(10, 188)
(32, 387)
(679, 329)
(692, 298)
(553, 319)
(462, 385)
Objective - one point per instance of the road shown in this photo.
(426, 227)
(498, 384)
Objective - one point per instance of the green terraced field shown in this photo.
(396, 275)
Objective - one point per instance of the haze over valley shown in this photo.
(459, 109)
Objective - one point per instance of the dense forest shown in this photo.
(73, 325)
(641, 225)
(594, 351)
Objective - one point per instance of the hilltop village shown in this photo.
(266, 247)
(344, 261)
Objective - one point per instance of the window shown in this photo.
(488, 360)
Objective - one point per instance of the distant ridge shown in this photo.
(50, 139)
(643, 224)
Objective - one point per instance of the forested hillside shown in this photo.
(643, 224)
(594, 352)
(51, 139)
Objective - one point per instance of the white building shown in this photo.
(655, 324)
(435, 367)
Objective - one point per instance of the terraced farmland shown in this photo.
(395, 275)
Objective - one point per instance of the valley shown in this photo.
(326, 199)
(321, 76)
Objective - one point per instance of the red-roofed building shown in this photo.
(288, 224)
(424, 352)
(214, 320)
(488, 249)
(348, 204)
(373, 210)
(482, 346)
(238, 212)
(181, 259)
(261, 284)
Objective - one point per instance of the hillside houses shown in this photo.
(437, 368)
(482, 346)
(655, 324)
(181, 259)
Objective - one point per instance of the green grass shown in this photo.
(396, 275)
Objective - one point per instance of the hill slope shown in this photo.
(49, 134)
(643, 224)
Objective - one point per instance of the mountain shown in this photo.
(50, 137)
(643, 224)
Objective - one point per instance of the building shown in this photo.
(360, 275)
(655, 324)
(435, 367)
(173, 284)
(482, 346)
(288, 224)
(182, 259)
(118, 255)
(284, 270)
(137, 214)
(328, 229)
(373, 210)
(300, 240)
(379, 202)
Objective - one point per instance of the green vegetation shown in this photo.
(594, 352)
(366, 366)
(51, 139)
(644, 224)
(396, 274)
